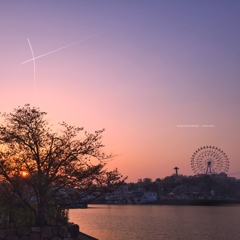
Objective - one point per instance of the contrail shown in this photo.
(34, 66)
(69, 45)
(58, 49)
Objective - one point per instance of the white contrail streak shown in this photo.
(58, 49)
(69, 45)
(34, 66)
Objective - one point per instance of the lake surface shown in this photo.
(158, 222)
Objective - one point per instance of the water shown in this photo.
(158, 222)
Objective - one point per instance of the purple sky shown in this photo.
(136, 68)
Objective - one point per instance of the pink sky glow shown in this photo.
(143, 70)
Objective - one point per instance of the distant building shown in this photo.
(150, 196)
(121, 190)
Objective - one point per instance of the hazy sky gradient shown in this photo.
(136, 68)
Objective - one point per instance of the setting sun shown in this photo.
(24, 173)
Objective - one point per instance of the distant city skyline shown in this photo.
(162, 77)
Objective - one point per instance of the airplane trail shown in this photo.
(34, 65)
(68, 45)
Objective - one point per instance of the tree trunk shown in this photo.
(42, 209)
(40, 219)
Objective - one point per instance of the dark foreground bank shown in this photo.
(70, 232)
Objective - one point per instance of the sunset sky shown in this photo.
(145, 70)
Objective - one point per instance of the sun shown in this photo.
(24, 173)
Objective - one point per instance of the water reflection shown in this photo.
(120, 222)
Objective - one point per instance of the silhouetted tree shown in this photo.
(158, 180)
(41, 165)
(147, 181)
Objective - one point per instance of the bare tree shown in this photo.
(42, 165)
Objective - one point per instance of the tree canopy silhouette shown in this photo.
(42, 167)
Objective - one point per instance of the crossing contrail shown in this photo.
(68, 45)
(34, 65)
(58, 49)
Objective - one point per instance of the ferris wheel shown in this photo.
(209, 160)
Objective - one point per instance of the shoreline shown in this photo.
(190, 202)
(203, 202)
